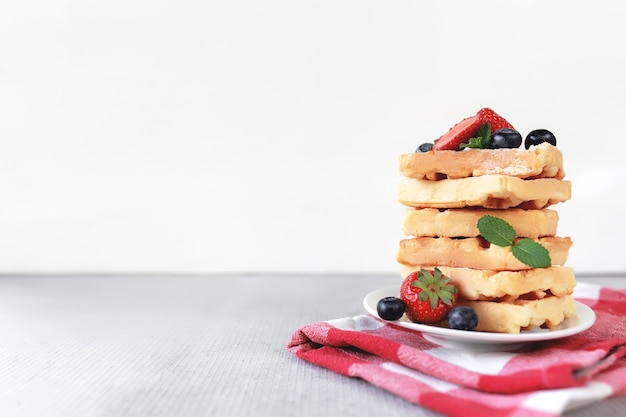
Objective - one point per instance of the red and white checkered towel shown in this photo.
(541, 379)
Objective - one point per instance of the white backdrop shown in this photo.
(229, 136)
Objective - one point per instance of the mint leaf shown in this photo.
(531, 253)
(481, 141)
(475, 143)
(496, 231)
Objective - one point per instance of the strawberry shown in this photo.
(497, 122)
(458, 134)
(468, 128)
(428, 295)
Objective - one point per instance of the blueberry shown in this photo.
(424, 147)
(539, 136)
(390, 308)
(505, 138)
(462, 318)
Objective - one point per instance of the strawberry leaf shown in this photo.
(446, 297)
(437, 274)
(434, 300)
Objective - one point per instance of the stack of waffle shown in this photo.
(448, 191)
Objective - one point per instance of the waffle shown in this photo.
(543, 161)
(462, 222)
(488, 191)
(512, 317)
(490, 285)
(448, 191)
(475, 253)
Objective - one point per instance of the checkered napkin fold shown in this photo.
(539, 379)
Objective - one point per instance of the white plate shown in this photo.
(471, 340)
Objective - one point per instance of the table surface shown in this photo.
(187, 345)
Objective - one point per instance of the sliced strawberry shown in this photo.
(458, 134)
(497, 122)
(468, 128)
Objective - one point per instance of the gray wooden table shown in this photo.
(78, 346)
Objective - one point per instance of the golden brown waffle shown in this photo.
(447, 192)
(475, 253)
(490, 285)
(488, 191)
(462, 222)
(512, 317)
(542, 161)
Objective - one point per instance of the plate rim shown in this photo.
(585, 315)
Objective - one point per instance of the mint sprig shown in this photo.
(481, 141)
(500, 233)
